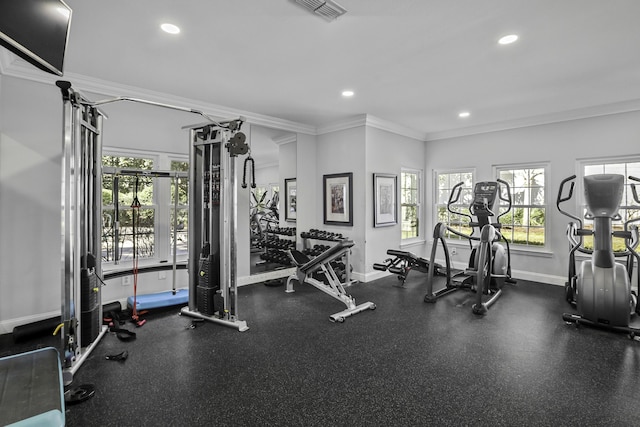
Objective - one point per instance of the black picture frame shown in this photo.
(385, 199)
(291, 200)
(337, 190)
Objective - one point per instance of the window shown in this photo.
(120, 247)
(409, 203)
(525, 224)
(155, 226)
(629, 209)
(445, 182)
(182, 208)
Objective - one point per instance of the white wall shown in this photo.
(560, 144)
(309, 201)
(30, 150)
(341, 152)
(287, 168)
(388, 153)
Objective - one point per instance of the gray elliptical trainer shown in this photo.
(490, 263)
(601, 289)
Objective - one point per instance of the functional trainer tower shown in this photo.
(81, 316)
(489, 264)
(601, 288)
(213, 186)
(81, 269)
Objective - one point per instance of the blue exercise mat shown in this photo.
(161, 299)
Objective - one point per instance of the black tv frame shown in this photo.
(36, 32)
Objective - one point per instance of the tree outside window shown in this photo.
(128, 187)
(409, 204)
(629, 209)
(445, 182)
(525, 224)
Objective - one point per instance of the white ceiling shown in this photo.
(415, 63)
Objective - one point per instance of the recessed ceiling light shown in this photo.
(464, 114)
(508, 39)
(170, 28)
(347, 93)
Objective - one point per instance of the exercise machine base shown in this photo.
(341, 316)
(240, 325)
(579, 320)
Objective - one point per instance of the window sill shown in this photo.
(515, 249)
(412, 243)
(145, 264)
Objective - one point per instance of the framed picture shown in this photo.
(385, 200)
(338, 198)
(291, 200)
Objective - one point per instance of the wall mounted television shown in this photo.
(37, 31)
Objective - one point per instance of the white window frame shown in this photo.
(436, 195)
(161, 204)
(420, 228)
(627, 202)
(545, 166)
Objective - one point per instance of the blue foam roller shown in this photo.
(161, 299)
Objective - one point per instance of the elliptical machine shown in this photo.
(490, 262)
(600, 289)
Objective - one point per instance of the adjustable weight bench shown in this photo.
(312, 270)
(402, 264)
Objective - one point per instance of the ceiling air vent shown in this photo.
(328, 9)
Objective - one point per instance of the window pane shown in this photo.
(128, 162)
(182, 235)
(409, 224)
(409, 204)
(525, 223)
(144, 234)
(628, 206)
(183, 182)
(108, 242)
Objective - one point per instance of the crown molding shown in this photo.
(374, 122)
(21, 69)
(382, 124)
(543, 119)
(284, 139)
(13, 66)
(349, 123)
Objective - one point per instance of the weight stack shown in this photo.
(89, 307)
(207, 286)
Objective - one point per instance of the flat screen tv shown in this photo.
(37, 31)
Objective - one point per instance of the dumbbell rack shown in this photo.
(317, 249)
(276, 247)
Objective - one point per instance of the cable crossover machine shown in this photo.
(212, 214)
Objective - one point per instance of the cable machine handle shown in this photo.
(253, 172)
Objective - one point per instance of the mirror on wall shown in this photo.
(269, 234)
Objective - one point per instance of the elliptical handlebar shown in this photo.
(504, 199)
(633, 188)
(634, 238)
(561, 199)
(454, 197)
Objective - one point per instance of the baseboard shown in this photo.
(548, 279)
(532, 276)
(374, 275)
(6, 326)
(459, 265)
